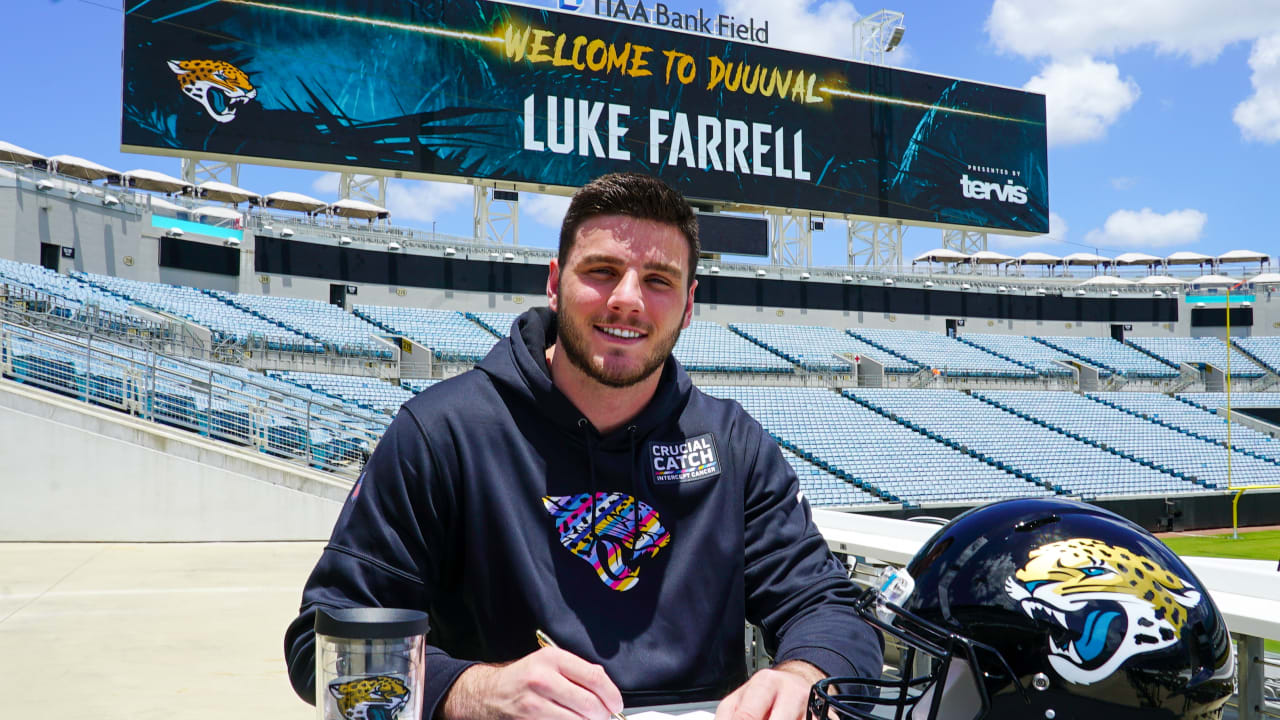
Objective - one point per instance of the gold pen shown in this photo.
(545, 641)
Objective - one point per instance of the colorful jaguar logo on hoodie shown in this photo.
(625, 532)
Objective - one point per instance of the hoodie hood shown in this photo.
(518, 365)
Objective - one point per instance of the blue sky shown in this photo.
(1164, 115)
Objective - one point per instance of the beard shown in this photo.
(572, 339)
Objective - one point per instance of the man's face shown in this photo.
(621, 298)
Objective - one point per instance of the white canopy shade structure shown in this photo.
(159, 203)
(79, 167)
(283, 200)
(224, 192)
(1215, 281)
(218, 211)
(1266, 278)
(1161, 280)
(1106, 280)
(347, 207)
(1186, 257)
(18, 154)
(1037, 258)
(1137, 258)
(1083, 258)
(156, 181)
(989, 257)
(941, 255)
(1243, 256)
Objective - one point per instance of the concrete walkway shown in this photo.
(140, 631)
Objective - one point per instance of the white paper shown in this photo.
(658, 715)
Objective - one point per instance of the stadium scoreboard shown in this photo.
(545, 99)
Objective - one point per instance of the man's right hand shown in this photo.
(550, 684)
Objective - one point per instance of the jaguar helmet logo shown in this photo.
(1108, 603)
(220, 87)
(370, 698)
(625, 532)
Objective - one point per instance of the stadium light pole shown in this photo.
(877, 34)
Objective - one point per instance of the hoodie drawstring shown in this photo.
(635, 490)
(585, 426)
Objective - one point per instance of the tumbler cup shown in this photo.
(369, 663)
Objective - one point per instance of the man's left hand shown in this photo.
(778, 693)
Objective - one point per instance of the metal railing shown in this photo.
(23, 305)
(213, 401)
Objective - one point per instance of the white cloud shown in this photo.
(409, 200)
(1124, 183)
(424, 200)
(1015, 243)
(1064, 28)
(1083, 97)
(547, 210)
(326, 183)
(1259, 116)
(822, 28)
(1145, 228)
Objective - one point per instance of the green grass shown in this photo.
(1259, 545)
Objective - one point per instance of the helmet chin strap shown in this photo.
(958, 698)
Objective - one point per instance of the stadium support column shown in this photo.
(965, 241)
(366, 188)
(790, 240)
(875, 244)
(497, 217)
(196, 171)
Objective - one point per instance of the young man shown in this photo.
(576, 482)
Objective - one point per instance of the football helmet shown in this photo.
(1041, 608)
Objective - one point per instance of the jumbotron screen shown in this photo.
(539, 97)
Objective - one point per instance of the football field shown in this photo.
(1255, 545)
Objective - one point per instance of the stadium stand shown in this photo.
(417, 386)
(498, 323)
(1197, 351)
(872, 451)
(67, 292)
(337, 329)
(1022, 350)
(222, 402)
(1034, 451)
(227, 322)
(369, 393)
(811, 347)
(1164, 448)
(824, 489)
(1112, 355)
(709, 347)
(1264, 350)
(951, 357)
(451, 336)
(1213, 400)
(1188, 418)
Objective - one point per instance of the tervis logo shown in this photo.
(982, 190)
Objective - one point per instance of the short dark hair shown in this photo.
(636, 195)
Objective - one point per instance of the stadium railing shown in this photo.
(193, 396)
(21, 305)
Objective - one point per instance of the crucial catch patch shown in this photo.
(694, 458)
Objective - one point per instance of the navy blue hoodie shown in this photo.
(494, 505)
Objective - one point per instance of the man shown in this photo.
(576, 482)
